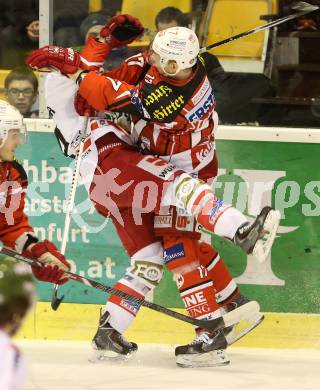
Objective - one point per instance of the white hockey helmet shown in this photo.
(179, 44)
(10, 118)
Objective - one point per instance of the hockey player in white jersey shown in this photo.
(17, 293)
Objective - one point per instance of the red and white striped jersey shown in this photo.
(13, 221)
(101, 136)
(174, 119)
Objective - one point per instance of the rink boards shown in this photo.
(79, 322)
(258, 166)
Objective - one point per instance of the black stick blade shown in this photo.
(55, 301)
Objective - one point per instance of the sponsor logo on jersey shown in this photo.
(165, 111)
(157, 167)
(215, 211)
(202, 108)
(204, 151)
(179, 281)
(162, 90)
(202, 91)
(162, 221)
(162, 102)
(168, 170)
(135, 100)
(147, 270)
(196, 304)
(174, 252)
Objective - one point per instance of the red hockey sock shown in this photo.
(195, 286)
(225, 287)
(196, 291)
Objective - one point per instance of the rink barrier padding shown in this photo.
(77, 322)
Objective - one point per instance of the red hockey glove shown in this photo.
(121, 30)
(54, 263)
(65, 59)
(82, 107)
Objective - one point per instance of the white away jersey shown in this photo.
(60, 93)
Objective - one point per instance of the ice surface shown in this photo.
(65, 366)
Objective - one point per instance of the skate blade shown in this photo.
(99, 356)
(263, 246)
(206, 359)
(243, 328)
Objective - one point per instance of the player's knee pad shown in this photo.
(146, 268)
(181, 254)
(191, 193)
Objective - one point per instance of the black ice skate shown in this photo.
(235, 332)
(256, 238)
(206, 350)
(109, 344)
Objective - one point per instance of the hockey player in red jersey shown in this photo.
(176, 121)
(15, 230)
(127, 185)
(147, 102)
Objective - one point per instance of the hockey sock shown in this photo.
(194, 284)
(225, 287)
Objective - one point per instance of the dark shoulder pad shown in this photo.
(20, 171)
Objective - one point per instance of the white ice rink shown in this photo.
(65, 366)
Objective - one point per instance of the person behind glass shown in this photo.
(21, 90)
(173, 17)
(92, 24)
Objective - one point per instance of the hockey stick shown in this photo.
(55, 300)
(241, 313)
(302, 8)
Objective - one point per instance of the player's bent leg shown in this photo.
(196, 291)
(224, 220)
(118, 314)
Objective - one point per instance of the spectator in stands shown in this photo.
(17, 30)
(21, 90)
(92, 25)
(33, 31)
